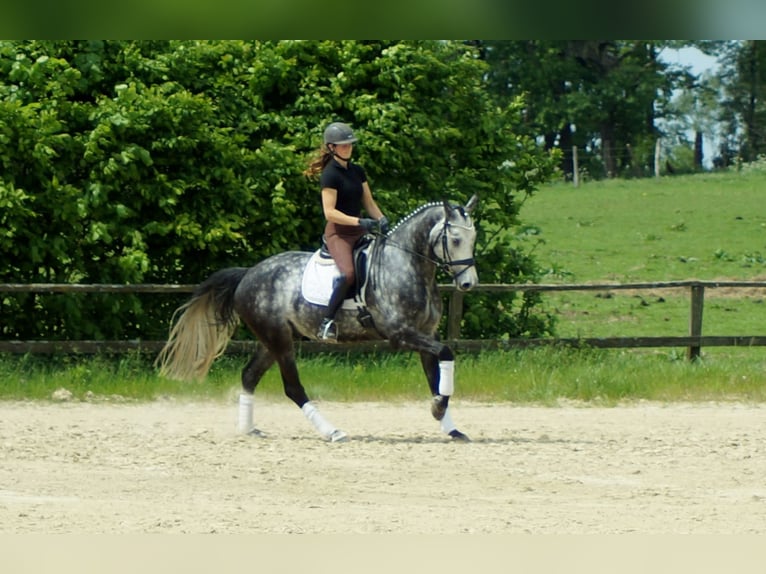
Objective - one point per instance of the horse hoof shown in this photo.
(256, 433)
(438, 407)
(338, 436)
(458, 436)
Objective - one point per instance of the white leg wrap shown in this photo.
(446, 378)
(446, 423)
(323, 426)
(245, 424)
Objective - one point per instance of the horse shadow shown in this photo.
(484, 440)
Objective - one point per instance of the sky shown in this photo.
(698, 61)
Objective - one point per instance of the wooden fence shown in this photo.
(693, 342)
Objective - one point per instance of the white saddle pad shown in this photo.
(318, 277)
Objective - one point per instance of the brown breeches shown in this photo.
(340, 241)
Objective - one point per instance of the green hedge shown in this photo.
(162, 161)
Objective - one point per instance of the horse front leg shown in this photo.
(438, 362)
(280, 346)
(440, 375)
(440, 371)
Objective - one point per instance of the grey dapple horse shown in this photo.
(400, 299)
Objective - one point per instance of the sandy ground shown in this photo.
(171, 467)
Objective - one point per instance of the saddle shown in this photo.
(320, 273)
(360, 253)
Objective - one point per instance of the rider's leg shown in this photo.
(328, 330)
(341, 249)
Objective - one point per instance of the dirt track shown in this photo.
(176, 467)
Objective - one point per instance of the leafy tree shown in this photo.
(692, 111)
(743, 110)
(128, 162)
(602, 96)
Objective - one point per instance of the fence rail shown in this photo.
(693, 342)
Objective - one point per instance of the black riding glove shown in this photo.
(367, 224)
(384, 227)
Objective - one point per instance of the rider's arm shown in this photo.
(333, 215)
(368, 202)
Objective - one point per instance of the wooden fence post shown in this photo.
(455, 315)
(695, 319)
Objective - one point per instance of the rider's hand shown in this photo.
(384, 227)
(367, 224)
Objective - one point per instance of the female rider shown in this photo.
(345, 191)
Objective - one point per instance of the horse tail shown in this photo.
(201, 328)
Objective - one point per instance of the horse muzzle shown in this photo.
(467, 278)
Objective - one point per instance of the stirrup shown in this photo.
(328, 331)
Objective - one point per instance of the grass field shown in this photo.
(542, 376)
(708, 226)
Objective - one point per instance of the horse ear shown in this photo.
(472, 203)
(447, 208)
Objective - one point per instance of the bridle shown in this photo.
(446, 263)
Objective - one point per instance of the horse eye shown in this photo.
(455, 242)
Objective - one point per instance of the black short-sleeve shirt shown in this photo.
(348, 183)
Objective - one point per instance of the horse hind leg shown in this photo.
(251, 376)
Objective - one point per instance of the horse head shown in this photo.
(453, 240)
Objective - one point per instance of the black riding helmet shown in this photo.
(338, 133)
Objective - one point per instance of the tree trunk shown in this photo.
(607, 150)
(750, 124)
(565, 143)
(698, 151)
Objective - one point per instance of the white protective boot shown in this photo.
(245, 421)
(321, 424)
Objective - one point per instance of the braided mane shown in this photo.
(417, 211)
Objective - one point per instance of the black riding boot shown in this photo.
(328, 330)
